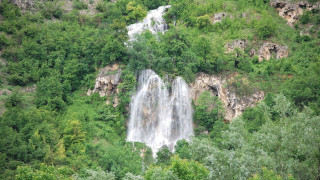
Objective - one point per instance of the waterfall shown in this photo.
(153, 22)
(159, 116)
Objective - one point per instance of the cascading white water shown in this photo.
(159, 117)
(153, 22)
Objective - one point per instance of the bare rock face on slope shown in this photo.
(240, 44)
(24, 4)
(219, 17)
(292, 11)
(268, 49)
(216, 85)
(107, 84)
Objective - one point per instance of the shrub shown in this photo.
(4, 41)
(305, 18)
(79, 4)
(265, 27)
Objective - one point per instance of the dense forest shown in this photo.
(51, 54)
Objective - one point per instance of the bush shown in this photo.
(4, 41)
(101, 7)
(80, 4)
(163, 155)
(305, 18)
(265, 27)
(203, 21)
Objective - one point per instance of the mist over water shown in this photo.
(158, 116)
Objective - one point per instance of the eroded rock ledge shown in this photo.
(266, 51)
(217, 86)
(268, 48)
(109, 77)
(291, 12)
(107, 84)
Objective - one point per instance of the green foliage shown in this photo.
(265, 27)
(81, 137)
(254, 118)
(203, 21)
(14, 99)
(178, 169)
(159, 173)
(120, 160)
(73, 136)
(99, 174)
(126, 88)
(52, 9)
(208, 110)
(268, 175)
(189, 170)
(135, 12)
(9, 11)
(51, 93)
(79, 4)
(4, 41)
(305, 18)
(163, 155)
(153, 4)
(44, 172)
(182, 149)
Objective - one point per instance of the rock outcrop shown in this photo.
(24, 4)
(240, 44)
(292, 11)
(268, 49)
(107, 84)
(219, 17)
(216, 85)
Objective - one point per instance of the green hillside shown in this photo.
(52, 51)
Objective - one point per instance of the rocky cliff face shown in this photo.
(239, 43)
(292, 11)
(107, 84)
(268, 48)
(218, 17)
(216, 85)
(266, 51)
(109, 77)
(24, 4)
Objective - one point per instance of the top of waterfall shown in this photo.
(153, 22)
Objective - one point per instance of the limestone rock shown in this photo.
(218, 17)
(292, 11)
(269, 48)
(107, 84)
(240, 44)
(215, 84)
(5, 92)
(24, 4)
